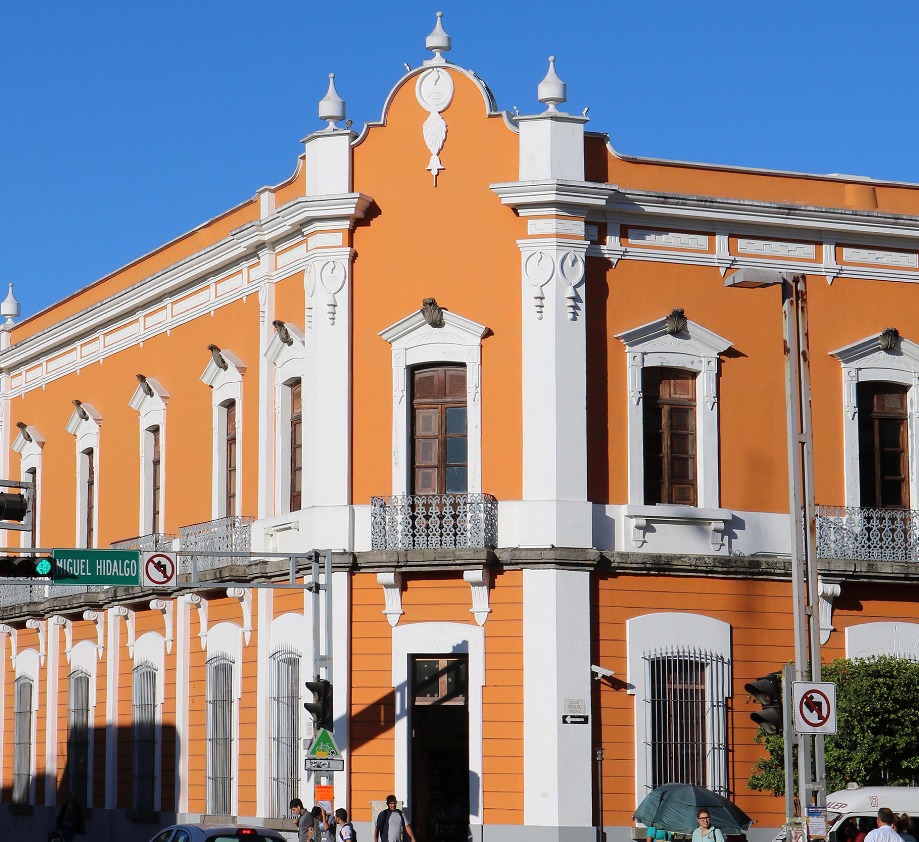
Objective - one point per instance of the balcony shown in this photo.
(152, 543)
(848, 532)
(434, 522)
(224, 535)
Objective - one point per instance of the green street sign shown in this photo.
(96, 567)
(324, 746)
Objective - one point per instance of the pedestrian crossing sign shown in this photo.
(324, 745)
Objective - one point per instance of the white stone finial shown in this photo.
(552, 90)
(332, 106)
(438, 42)
(10, 307)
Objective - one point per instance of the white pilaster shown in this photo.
(341, 673)
(51, 717)
(264, 614)
(328, 162)
(183, 646)
(556, 668)
(112, 656)
(266, 404)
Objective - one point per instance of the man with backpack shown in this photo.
(391, 825)
(346, 831)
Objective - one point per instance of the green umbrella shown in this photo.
(673, 807)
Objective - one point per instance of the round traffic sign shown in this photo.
(815, 708)
(159, 569)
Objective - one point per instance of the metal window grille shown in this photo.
(143, 719)
(78, 738)
(284, 691)
(686, 735)
(219, 735)
(22, 741)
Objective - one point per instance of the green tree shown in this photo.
(877, 739)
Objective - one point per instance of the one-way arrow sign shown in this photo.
(575, 719)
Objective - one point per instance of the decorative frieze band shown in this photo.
(573, 227)
(903, 260)
(776, 248)
(671, 239)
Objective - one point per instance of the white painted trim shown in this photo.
(226, 386)
(865, 361)
(226, 639)
(897, 639)
(150, 648)
(695, 349)
(87, 434)
(84, 657)
(27, 666)
(30, 453)
(652, 632)
(414, 342)
(289, 362)
(439, 639)
(151, 412)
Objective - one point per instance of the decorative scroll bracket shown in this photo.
(201, 604)
(164, 606)
(244, 595)
(829, 590)
(5, 629)
(479, 581)
(392, 590)
(128, 615)
(67, 625)
(39, 626)
(97, 617)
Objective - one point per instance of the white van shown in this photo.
(863, 802)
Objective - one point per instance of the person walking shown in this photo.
(346, 832)
(70, 819)
(904, 825)
(391, 823)
(322, 823)
(303, 821)
(705, 832)
(885, 831)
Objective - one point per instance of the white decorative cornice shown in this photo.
(38, 626)
(200, 603)
(244, 595)
(279, 351)
(98, 618)
(392, 592)
(297, 218)
(694, 340)
(213, 374)
(9, 630)
(84, 418)
(128, 615)
(479, 581)
(143, 401)
(868, 353)
(28, 440)
(414, 330)
(67, 626)
(165, 607)
(555, 196)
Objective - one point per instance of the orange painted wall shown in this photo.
(455, 243)
(444, 598)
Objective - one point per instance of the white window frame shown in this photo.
(150, 648)
(289, 363)
(226, 385)
(695, 349)
(86, 432)
(151, 410)
(27, 666)
(226, 639)
(84, 657)
(651, 633)
(897, 639)
(30, 460)
(866, 362)
(416, 343)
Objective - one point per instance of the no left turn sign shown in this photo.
(814, 707)
(159, 569)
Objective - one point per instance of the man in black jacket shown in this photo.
(391, 825)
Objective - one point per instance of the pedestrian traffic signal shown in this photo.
(13, 506)
(768, 692)
(321, 706)
(26, 567)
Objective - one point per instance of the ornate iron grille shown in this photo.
(143, 724)
(435, 521)
(154, 542)
(869, 534)
(686, 731)
(78, 738)
(226, 534)
(220, 735)
(284, 696)
(22, 741)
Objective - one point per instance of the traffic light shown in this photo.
(321, 706)
(13, 506)
(768, 692)
(26, 567)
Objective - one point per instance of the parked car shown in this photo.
(217, 833)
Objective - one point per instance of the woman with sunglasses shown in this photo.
(705, 832)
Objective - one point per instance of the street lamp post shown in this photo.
(802, 520)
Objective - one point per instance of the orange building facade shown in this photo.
(494, 367)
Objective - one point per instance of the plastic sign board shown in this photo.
(96, 567)
(814, 707)
(158, 569)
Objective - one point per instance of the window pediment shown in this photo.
(144, 402)
(85, 420)
(867, 353)
(693, 341)
(414, 331)
(28, 442)
(282, 353)
(217, 376)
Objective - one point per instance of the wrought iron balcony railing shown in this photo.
(436, 521)
(224, 535)
(151, 543)
(867, 534)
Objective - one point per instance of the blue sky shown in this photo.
(126, 123)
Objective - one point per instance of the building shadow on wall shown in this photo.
(99, 769)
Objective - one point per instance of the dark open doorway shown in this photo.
(440, 748)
